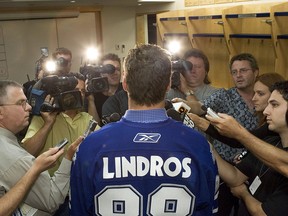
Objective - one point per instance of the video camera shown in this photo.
(63, 91)
(97, 83)
(61, 62)
(179, 66)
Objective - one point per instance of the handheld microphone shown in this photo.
(91, 127)
(181, 107)
(114, 117)
(174, 114)
(182, 117)
(210, 112)
(187, 120)
(168, 104)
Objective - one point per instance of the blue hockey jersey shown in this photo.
(131, 168)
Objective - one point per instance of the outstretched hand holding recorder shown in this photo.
(210, 112)
(62, 143)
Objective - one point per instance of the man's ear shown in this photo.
(287, 117)
(124, 84)
(169, 86)
(256, 73)
(1, 113)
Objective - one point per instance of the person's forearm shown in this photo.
(200, 123)
(253, 205)
(228, 173)
(93, 111)
(211, 131)
(35, 144)
(11, 200)
(269, 154)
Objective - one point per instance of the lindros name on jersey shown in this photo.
(141, 166)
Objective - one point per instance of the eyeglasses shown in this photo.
(241, 71)
(22, 103)
(197, 66)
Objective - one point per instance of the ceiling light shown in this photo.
(156, 1)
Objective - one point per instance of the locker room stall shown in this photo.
(222, 32)
(248, 29)
(172, 26)
(280, 37)
(205, 27)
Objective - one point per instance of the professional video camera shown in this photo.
(179, 66)
(56, 66)
(96, 82)
(61, 62)
(63, 91)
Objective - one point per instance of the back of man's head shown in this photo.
(147, 72)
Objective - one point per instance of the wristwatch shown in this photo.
(189, 92)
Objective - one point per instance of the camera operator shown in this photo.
(63, 57)
(96, 100)
(194, 84)
(46, 130)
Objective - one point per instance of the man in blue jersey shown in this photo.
(146, 163)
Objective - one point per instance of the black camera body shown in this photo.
(179, 67)
(96, 82)
(63, 91)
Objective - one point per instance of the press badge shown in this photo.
(255, 184)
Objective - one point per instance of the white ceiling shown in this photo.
(66, 3)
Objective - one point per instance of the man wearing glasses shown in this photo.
(48, 192)
(237, 102)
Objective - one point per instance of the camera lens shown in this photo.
(99, 84)
(69, 101)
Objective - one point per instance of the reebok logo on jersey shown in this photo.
(147, 137)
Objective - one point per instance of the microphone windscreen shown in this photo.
(174, 115)
(168, 104)
(204, 108)
(114, 117)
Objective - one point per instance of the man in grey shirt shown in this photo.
(48, 192)
(194, 83)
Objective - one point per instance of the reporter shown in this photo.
(268, 154)
(262, 93)
(47, 193)
(11, 200)
(268, 188)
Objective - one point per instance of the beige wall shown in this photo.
(22, 41)
(118, 25)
